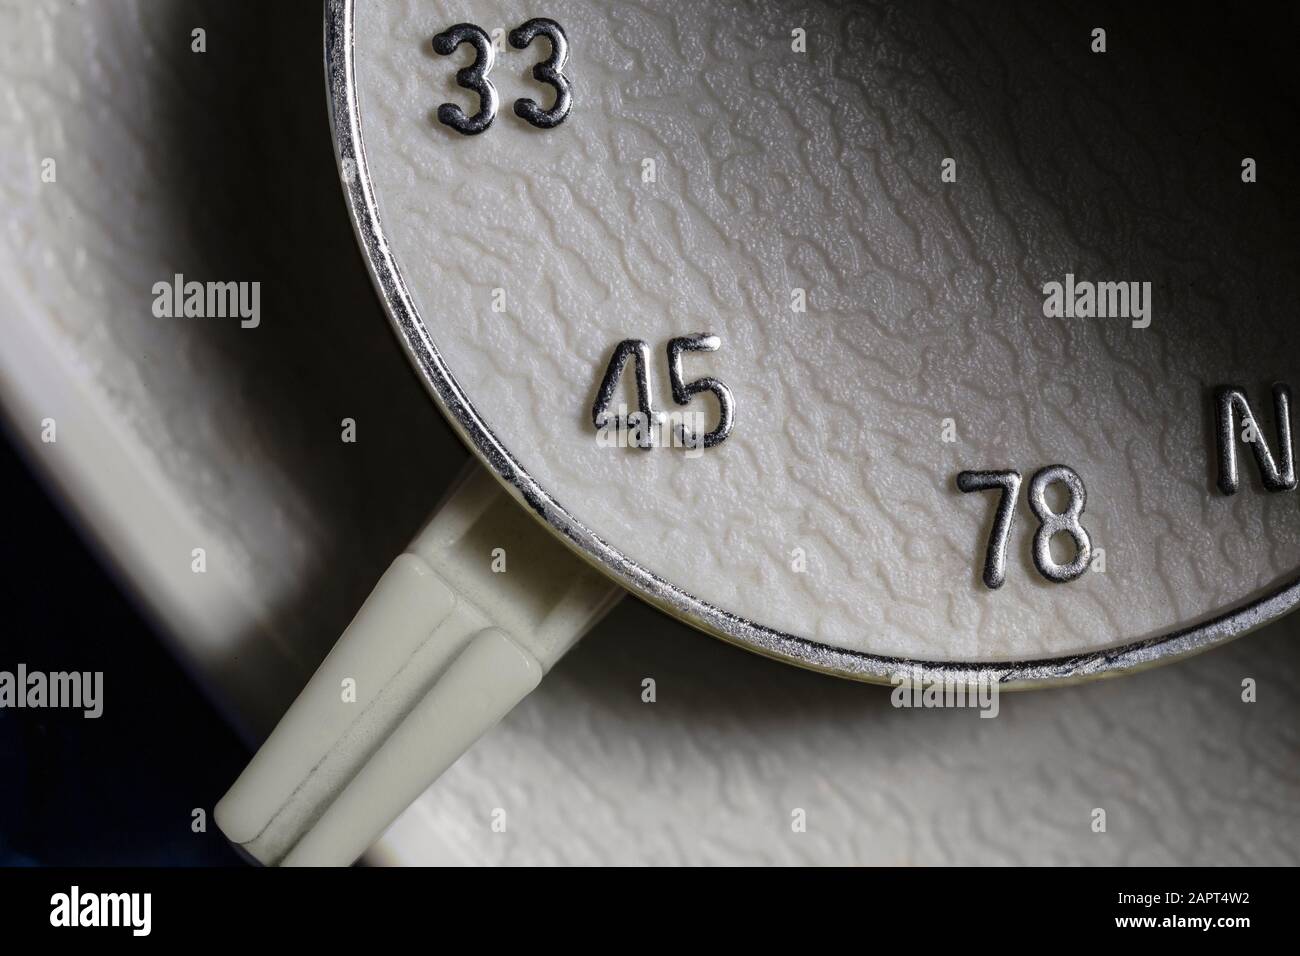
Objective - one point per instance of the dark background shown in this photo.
(77, 791)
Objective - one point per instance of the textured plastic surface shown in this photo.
(711, 772)
(776, 170)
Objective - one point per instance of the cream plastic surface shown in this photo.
(774, 171)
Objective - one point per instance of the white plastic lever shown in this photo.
(452, 637)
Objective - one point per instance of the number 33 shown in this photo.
(475, 76)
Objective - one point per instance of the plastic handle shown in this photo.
(459, 629)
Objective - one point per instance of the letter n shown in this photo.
(1277, 474)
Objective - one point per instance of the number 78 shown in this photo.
(1050, 523)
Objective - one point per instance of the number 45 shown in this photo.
(639, 352)
(1050, 523)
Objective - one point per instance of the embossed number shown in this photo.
(550, 71)
(1050, 523)
(682, 391)
(639, 352)
(648, 422)
(472, 77)
(995, 558)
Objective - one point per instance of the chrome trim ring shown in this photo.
(349, 145)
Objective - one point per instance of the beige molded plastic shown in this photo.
(708, 173)
(455, 634)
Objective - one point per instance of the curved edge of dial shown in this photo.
(349, 149)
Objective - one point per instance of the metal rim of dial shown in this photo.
(349, 146)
